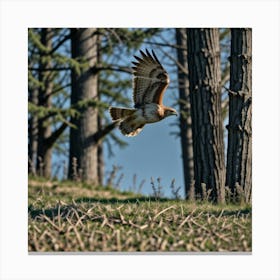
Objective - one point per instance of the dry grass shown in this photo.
(63, 217)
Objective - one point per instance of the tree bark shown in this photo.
(185, 113)
(239, 154)
(44, 151)
(100, 151)
(84, 86)
(32, 135)
(205, 96)
(100, 165)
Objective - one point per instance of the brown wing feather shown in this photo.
(150, 80)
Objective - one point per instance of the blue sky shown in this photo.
(154, 152)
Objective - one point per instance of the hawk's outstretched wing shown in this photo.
(150, 80)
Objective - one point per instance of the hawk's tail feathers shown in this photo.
(129, 126)
(120, 113)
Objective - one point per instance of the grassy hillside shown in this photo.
(76, 217)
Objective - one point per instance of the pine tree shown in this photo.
(32, 133)
(44, 151)
(47, 114)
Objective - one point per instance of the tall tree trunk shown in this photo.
(84, 87)
(185, 113)
(239, 155)
(205, 95)
(32, 135)
(100, 163)
(100, 151)
(44, 99)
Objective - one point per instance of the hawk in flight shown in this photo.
(150, 81)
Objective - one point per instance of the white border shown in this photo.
(17, 16)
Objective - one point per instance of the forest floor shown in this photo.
(75, 217)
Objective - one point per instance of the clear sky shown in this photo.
(152, 153)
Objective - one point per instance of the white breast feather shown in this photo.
(151, 112)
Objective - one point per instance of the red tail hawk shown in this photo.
(150, 80)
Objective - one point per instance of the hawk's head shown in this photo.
(170, 112)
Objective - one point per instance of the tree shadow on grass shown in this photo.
(120, 201)
(66, 210)
(63, 211)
